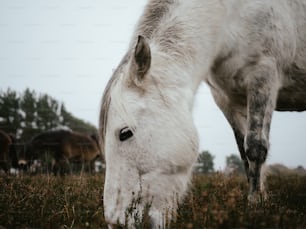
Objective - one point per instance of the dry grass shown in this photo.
(214, 201)
(51, 202)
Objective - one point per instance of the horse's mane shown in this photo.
(160, 24)
(152, 17)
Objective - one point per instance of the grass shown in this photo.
(214, 201)
(51, 202)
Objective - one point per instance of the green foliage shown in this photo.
(28, 106)
(214, 201)
(205, 163)
(47, 112)
(10, 115)
(27, 114)
(234, 162)
(78, 125)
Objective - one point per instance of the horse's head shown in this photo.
(148, 136)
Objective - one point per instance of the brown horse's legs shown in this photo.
(64, 167)
(55, 167)
(4, 165)
(59, 167)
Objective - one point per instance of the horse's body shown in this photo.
(252, 54)
(63, 146)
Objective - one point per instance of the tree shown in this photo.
(28, 105)
(26, 114)
(234, 164)
(67, 119)
(10, 114)
(205, 163)
(47, 113)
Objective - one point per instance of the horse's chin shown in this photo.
(154, 197)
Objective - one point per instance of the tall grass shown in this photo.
(51, 202)
(214, 201)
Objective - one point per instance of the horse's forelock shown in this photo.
(167, 34)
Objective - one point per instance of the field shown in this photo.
(214, 201)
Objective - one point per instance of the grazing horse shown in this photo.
(63, 146)
(8, 155)
(252, 54)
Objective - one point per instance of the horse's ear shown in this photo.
(142, 58)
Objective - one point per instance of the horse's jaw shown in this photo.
(152, 198)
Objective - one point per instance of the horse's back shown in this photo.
(292, 96)
(80, 146)
(258, 31)
(292, 93)
(275, 27)
(50, 142)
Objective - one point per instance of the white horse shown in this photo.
(252, 54)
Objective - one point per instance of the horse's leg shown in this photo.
(55, 166)
(59, 166)
(261, 101)
(239, 137)
(237, 118)
(4, 165)
(64, 166)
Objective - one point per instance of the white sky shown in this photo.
(68, 49)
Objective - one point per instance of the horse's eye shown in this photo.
(125, 134)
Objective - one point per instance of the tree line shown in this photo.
(205, 163)
(28, 113)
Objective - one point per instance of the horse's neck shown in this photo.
(208, 23)
(198, 23)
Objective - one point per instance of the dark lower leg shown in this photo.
(240, 143)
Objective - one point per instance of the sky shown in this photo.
(69, 49)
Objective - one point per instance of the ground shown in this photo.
(214, 201)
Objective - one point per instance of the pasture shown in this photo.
(213, 201)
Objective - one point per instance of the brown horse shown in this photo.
(8, 156)
(63, 147)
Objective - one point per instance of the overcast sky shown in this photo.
(68, 49)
